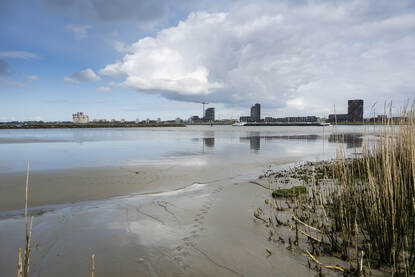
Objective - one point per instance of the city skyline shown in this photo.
(355, 113)
(77, 56)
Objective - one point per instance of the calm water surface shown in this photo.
(192, 145)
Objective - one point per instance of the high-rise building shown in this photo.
(209, 114)
(256, 112)
(355, 110)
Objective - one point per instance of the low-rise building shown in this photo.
(194, 118)
(245, 119)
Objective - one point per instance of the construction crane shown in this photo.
(203, 103)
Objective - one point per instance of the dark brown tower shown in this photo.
(355, 110)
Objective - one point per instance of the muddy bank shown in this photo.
(300, 215)
(201, 230)
(84, 184)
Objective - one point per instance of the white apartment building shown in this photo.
(80, 117)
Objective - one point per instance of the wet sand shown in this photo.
(84, 184)
(200, 230)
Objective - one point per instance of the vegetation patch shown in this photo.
(291, 192)
(360, 211)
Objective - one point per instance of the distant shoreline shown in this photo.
(87, 125)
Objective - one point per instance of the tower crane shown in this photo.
(203, 103)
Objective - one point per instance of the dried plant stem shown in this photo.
(311, 227)
(93, 265)
(26, 265)
(19, 263)
(335, 267)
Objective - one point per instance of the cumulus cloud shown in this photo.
(18, 55)
(32, 78)
(87, 75)
(298, 56)
(79, 31)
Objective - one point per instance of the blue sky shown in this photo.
(148, 59)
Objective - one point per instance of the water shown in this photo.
(192, 146)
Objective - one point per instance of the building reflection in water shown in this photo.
(209, 142)
(354, 140)
(255, 139)
(255, 143)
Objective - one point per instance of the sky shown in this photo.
(149, 59)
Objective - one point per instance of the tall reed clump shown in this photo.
(372, 201)
(23, 266)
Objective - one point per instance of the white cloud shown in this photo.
(32, 78)
(298, 57)
(87, 75)
(80, 31)
(18, 55)
(104, 89)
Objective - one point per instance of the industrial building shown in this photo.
(354, 112)
(80, 117)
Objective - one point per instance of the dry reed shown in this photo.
(365, 211)
(23, 264)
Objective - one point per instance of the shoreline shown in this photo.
(87, 126)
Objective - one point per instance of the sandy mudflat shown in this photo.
(198, 223)
(201, 230)
(83, 184)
